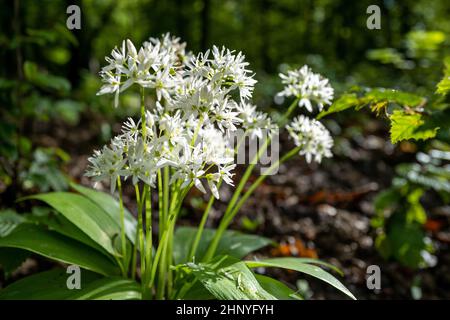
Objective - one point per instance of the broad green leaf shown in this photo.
(85, 214)
(301, 266)
(406, 126)
(233, 243)
(57, 222)
(276, 288)
(48, 285)
(111, 207)
(57, 247)
(109, 289)
(227, 279)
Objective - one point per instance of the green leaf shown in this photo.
(276, 288)
(392, 96)
(299, 265)
(57, 222)
(57, 247)
(198, 292)
(443, 87)
(233, 243)
(52, 285)
(109, 289)
(404, 241)
(406, 126)
(111, 206)
(227, 279)
(378, 97)
(85, 214)
(346, 101)
(386, 199)
(48, 285)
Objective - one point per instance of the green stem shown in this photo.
(122, 226)
(201, 226)
(166, 191)
(215, 241)
(160, 205)
(227, 220)
(166, 233)
(148, 241)
(140, 230)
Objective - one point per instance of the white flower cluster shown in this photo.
(195, 112)
(313, 138)
(155, 65)
(308, 87)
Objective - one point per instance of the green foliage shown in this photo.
(423, 43)
(86, 215)
(233, 243)
(406, 126)
(304, 266)
(374, 98)
(405, 122)
(443, 87)
(52, 286)
(44, 171)
(81, 232)
(57, 247)
(109, 206)
(44, 80)
(277, 288)
(229, 279)
(401, 216)
(387, 56)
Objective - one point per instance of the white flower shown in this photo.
(255, 122)
(106, 164)
(313, 138)
(309, 87)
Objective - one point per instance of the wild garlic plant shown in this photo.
(180, 142)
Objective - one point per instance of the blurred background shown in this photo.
(347, 211)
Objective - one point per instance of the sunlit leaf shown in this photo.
(229, 279)
(299, 265)
(405, 126)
